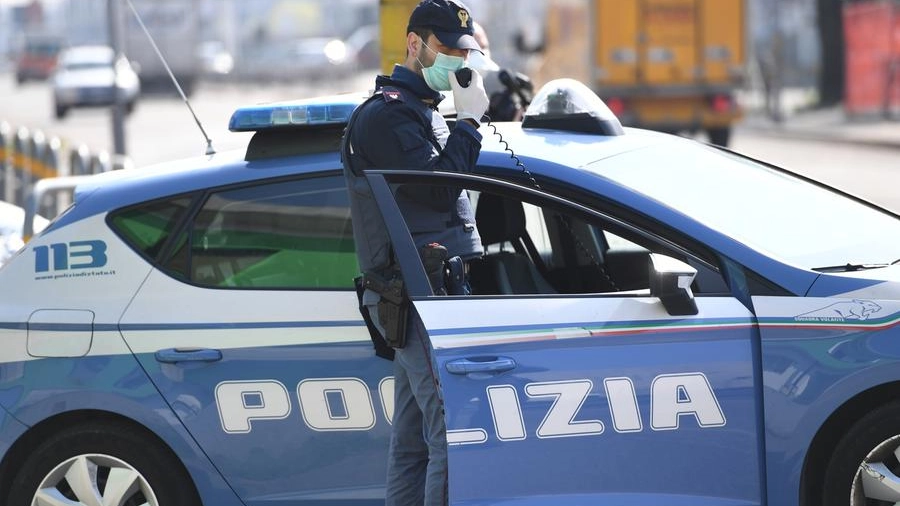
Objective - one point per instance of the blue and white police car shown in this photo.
(655, 322)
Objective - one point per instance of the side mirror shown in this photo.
(670, 280)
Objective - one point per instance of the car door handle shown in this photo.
(494, 364)
(174, 355)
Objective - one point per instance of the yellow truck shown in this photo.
(670, 65)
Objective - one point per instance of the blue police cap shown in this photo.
(449, 20)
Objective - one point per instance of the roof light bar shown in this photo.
(568, 105)
(335, 110)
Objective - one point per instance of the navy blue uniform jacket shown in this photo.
(402, 129)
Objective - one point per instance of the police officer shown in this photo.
(400, 128)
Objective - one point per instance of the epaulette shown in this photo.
(392, 94)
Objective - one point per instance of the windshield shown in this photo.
(42, 49)
(768, 210)
(88, 65)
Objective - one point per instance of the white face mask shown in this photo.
(437, 76)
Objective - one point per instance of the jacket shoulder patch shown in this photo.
(392, 95)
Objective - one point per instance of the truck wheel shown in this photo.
(60, 112)
(719, 136)
(864, 469)
(101, 464)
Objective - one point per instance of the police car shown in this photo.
(655, 322)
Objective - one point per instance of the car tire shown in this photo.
(719, 136)
(871, 441)
(61, 112)
(99, 459)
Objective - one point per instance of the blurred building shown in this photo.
(240, 27)
(86, 22)
(21, 17)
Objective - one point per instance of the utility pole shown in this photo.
(114, 14)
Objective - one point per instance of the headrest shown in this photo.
(499, 219)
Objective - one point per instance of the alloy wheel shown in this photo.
(877, 482)
(94, 480)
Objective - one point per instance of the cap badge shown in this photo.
(463, 18)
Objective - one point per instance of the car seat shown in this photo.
(500, 221)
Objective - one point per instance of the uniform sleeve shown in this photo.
(395, 138)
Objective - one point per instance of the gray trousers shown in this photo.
(417, 459)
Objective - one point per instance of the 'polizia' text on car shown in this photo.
(655, 322)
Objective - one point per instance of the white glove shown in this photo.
(472, 101)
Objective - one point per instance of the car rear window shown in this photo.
(147, 226)
(284, 235)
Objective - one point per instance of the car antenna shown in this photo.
(209, 147)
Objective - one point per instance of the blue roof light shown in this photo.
(334, 110)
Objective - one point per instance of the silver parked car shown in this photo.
(92, 76)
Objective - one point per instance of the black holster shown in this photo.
(393, 307)
(381, 348)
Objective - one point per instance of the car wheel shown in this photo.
(864, 469)
(61, 112)
(102, 464)
(719, 136)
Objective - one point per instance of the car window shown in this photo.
(46, 51)
(147, 226)
(543, 247)
(537, 227)
(284, 235)
(91, 65)
(45, 48)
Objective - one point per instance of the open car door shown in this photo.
(631, 396)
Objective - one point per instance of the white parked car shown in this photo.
(92, 76)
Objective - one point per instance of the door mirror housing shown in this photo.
(670, 280)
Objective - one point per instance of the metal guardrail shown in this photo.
(27, 157)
